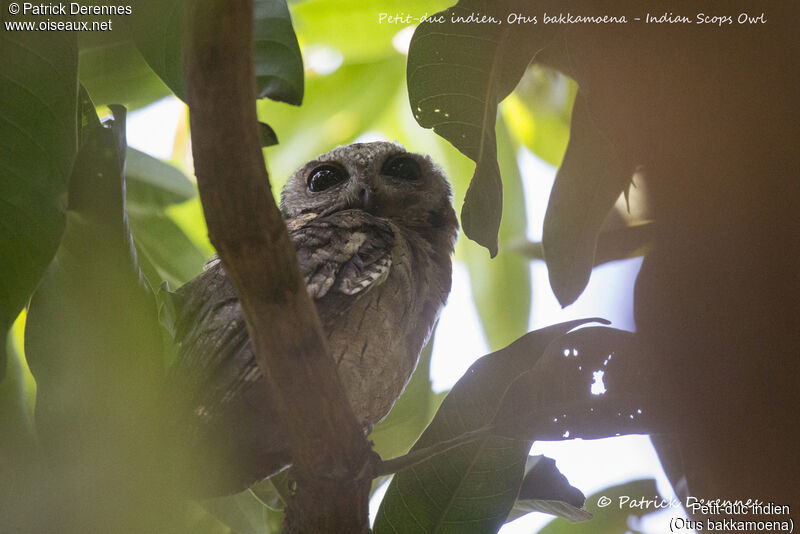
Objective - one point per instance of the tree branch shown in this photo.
(330, 454)
(612, 245)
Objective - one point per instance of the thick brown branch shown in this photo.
(328, 447)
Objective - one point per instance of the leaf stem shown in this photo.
(387, 467)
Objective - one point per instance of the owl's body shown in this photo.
(373, 229)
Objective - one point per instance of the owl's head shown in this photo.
(380, 178)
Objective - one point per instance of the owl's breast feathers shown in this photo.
(378, 290)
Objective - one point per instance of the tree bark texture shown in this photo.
(331, 457)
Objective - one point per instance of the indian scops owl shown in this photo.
(374, 229)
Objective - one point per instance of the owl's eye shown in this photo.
(324, 177)
(403, 167)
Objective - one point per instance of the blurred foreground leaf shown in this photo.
(38, 84)
(93, 343)
(16, 425)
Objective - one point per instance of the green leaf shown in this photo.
(590, 383)
(610, 518)
(157, 28)
(243, 513)
(152, 186)
(273, 492)
(93, 343)
(38, 135)
(16, 426)
(588, 183)
(457, 75)
(153, 183)
(544, 489)
(114, 72)
(268, 135)
(471, 488)
(501, 286)
(18, 447)
(174, 256)
(278, 62)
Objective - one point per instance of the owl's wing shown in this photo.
(347, 252)
(341, 255)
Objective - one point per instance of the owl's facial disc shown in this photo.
(380, 178)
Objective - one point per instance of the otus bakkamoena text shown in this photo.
(374, 228)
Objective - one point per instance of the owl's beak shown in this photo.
(364, 199)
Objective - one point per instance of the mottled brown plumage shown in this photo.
(374, 230)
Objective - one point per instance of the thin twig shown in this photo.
(413, 458)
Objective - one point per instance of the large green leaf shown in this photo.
(38, 84)
(278, 62)
(588, 183)
(157, 27)
(114, 72)
(93, 343)
(590, 383)
(457, 74)
(472, 487)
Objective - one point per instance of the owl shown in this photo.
(373, 229)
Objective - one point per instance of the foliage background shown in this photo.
(365, 96)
